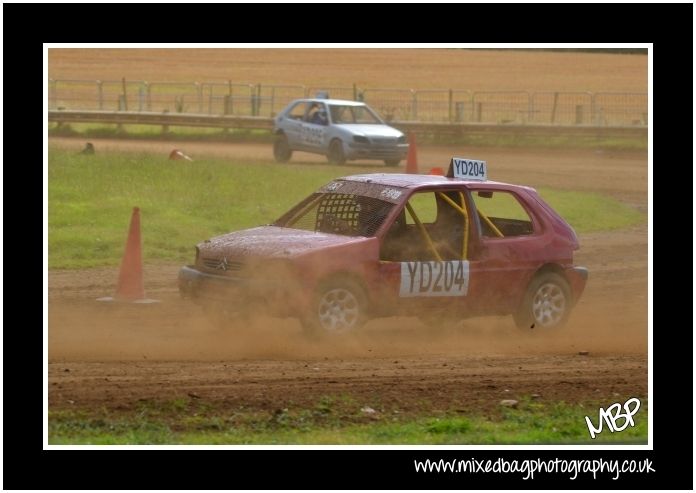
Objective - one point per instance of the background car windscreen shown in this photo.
(352, 114)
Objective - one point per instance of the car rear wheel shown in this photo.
(392, 162)
(546, 304)
(336, 154)
(339, 306)
(281, 149)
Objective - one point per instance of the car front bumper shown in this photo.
(368, 151)
(279, 296)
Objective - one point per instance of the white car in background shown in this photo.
(341, 130)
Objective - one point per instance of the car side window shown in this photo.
(317, 114)
(298, 111)
(431, 226)
(501, 214)
(424, 206)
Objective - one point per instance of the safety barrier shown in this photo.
(166, 119)
(394, 104)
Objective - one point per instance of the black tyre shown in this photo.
(335, 154)
(392, 162)
(281, 149)
(339, 306)
(546, 304)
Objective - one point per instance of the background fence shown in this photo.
(394, 104)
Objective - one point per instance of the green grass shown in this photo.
(90, 199)
(336, 420)
(154, 132)
(588, 212)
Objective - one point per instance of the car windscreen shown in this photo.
(341, 114)
(347, 214)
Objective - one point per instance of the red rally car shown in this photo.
(374, 245)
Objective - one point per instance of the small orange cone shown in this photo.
(411, 157)
(437, 171)
(176, 154)
(130, 278)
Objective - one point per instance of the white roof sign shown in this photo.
(468, 169)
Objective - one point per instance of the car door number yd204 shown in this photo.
(448, 278)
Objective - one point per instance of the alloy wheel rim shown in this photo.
(548, 305)
(338, 310)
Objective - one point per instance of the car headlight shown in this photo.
(360, 139)
(401, 140)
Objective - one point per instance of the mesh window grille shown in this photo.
(344, 214)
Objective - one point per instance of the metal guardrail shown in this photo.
(166, 119)
(517, 130)
(398, 104)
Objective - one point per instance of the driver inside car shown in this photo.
(319, 117)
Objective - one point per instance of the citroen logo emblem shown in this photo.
(223, 265)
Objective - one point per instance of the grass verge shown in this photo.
(152, 132)
(90, 198)
(337, 420)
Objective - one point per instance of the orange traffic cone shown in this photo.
(437, 171)
(177, 154)
(411, 157)
(130, 278)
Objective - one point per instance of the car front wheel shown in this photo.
(546, 304)
(336, 154)
(339, 306)
(281, 149)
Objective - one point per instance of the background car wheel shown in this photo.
(336, 155)
(392, 162)
(546, 304)
(339, 306)
(281, 149)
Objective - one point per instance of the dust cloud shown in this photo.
(177, 329)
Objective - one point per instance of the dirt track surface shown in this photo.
(114, 356)
(407, 384)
